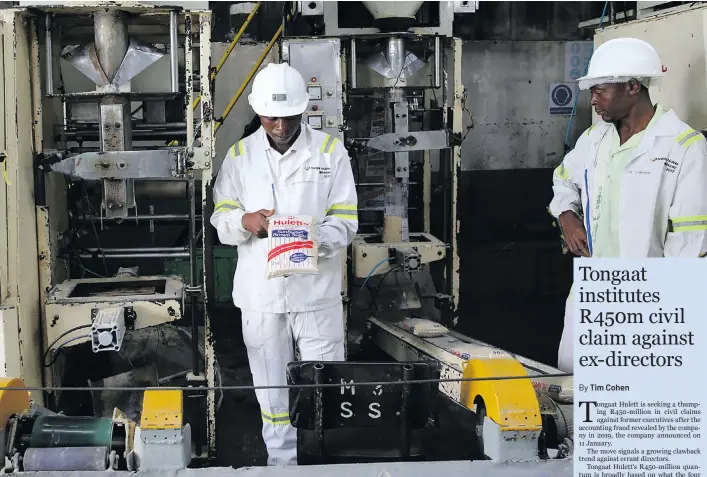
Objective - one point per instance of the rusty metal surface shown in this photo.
(21, 288)
(69, 306)
(66, 292)
(208, 143)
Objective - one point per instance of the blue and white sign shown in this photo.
(562, 98)
(577, 54)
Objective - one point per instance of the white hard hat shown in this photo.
(278, 91)
(621, 59)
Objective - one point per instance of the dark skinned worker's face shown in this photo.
(613, 101)
(281, 130)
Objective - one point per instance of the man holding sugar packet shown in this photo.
(290, 177)
(635, 184)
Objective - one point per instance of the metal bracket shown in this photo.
(120, 165)
(411, 141)
(401, 121)
(197, 158)
(158, 164)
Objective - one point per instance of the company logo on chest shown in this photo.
(669, 164)
(317, 171)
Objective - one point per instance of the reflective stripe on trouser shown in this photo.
(565, 358)
(269, 339)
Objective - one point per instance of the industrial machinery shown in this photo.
(32, 438)
(385, 78)
(106, 125)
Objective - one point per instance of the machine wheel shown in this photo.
(479, 416)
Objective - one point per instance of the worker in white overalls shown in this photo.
(285, 168)
(635, 184)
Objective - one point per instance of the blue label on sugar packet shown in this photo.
(301, 234)
(298, 257)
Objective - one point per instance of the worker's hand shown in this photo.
(575, 234)
(257, 222)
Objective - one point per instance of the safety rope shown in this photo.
(281, 386)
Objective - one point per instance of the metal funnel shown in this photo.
(114, 57)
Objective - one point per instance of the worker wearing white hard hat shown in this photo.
(635, 184)
(285, 168)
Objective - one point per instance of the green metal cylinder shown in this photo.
(69, 431)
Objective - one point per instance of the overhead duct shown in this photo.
(393, 16)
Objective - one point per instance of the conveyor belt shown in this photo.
(403, 345)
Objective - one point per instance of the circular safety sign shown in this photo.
(561, 95)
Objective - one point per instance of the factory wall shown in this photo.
(229, 79)
(514, 277)
(508, 86)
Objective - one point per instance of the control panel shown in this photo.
(319, 63)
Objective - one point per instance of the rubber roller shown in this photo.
(558, 420)
(65, 459)
(72, 431)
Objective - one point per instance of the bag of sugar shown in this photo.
(292, 246)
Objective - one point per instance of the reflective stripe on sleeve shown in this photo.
(237, 149)
(343, 211)
(561, 172)
(226, 205)
(688, 137)
(328, 145)
(689, 224)
(278, 419)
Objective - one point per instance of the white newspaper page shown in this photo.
(640, 367)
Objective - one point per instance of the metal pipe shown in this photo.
(67, 459)
(174, 49)
(135, 250)
(135, 125)
(353, 63)
(379, 184)
(192, 274)
(395, 54)
(251, 73)
(80, 150)
(438, 65)
(49, 53)
(143, 135)
(137, 255)
(145, 217)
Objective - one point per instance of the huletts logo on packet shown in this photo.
(292, 247)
